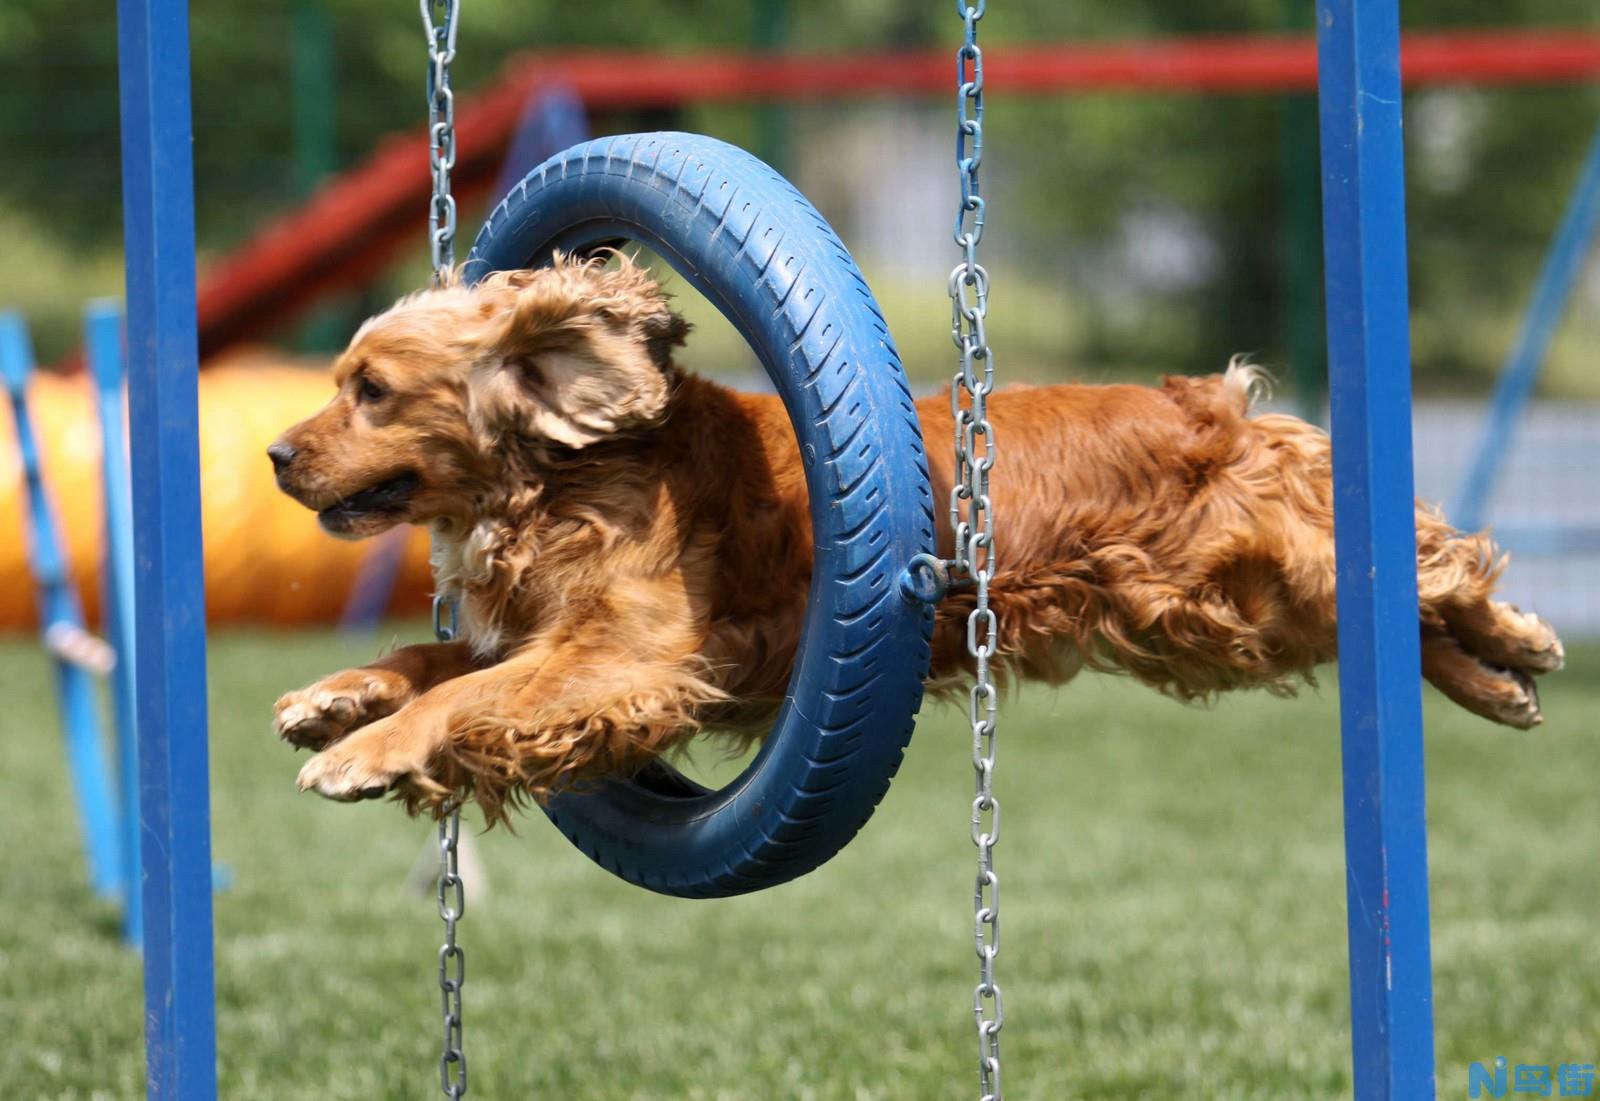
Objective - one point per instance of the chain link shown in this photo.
(972, 521)
(439, 19)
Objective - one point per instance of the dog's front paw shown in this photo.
(368, 765)
(318, 716)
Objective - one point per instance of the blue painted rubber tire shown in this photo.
(747, 240)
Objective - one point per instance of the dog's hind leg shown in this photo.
(1480, 652)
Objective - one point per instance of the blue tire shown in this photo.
(748, 241)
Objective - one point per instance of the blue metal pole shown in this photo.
(169, 596)
(1563, 265)
(59, 607)
(1369, 358)
(103, 340)
(553, 119)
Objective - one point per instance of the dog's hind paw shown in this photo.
(1540, 647)
(1497, 692)
(1499, 634)
(318, 716)
(1514, 700)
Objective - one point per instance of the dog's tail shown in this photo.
(1246, 383)
(1218, 400)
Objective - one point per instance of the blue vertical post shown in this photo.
(169, 596)
(103, 341)
(553, 119)
(1563, 266)
(59, 607)
(1369, 360)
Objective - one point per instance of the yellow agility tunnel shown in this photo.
(266, 560)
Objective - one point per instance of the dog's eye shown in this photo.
(370, 390)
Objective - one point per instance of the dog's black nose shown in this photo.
(281, 455)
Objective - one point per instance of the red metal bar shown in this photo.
(1258, 63)
(353, 227)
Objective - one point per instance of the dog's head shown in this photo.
(432, 391)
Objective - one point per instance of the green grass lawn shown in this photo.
(1173, 919)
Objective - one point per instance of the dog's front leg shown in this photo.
(529, 727)
(321, 714)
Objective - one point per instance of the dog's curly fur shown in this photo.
(631, 548)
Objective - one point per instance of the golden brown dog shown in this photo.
(631, 546)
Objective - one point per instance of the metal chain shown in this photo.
(452, 960)
(452, 904)
(439, 19)
(972, 521)
(441, 33)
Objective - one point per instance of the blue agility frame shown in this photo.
(1364, 221)
(102, 341)
(1558, 278)
(1380, 673)
(169, 596)
(110, 823)
(59, 606)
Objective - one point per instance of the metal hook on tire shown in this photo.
(925, 579)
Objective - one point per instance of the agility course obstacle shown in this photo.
(1360, 93)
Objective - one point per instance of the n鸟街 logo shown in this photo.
(1503, 1079)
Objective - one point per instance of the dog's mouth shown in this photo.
(378, 505)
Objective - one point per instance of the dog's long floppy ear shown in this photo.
(574, 353)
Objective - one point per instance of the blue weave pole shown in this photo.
(169, 597)
(373, 589)
(1563, 266)
(103, 342)
(553, 119)
(60, 610)
(1369, 363)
